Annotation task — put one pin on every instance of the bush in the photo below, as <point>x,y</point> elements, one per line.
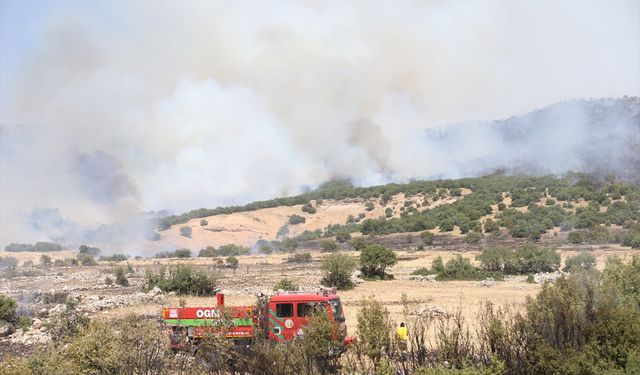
<point>343,236</point>
<point>86,260</point>
<point>181,279</point>
<point>426,238</point>
<point>576,237</point>
<point>374,331</point>
<point>473,238</point>
<point>288,245</point>
<point>121,278</point>
<point>89,250</point>
<point>114,258</point>
<point>204,222</point>
<point>232,250</point>
<point>232,262</point>
<point>446,226</point>
<point>19,247</point>
<point>9,263</point>
<point>300,258</point>
<point>524,260</point>
<point>8,309</point>
<point>296,219</point>
<point>491,226</point>
<point>338,268</point>
<point>185,231</point>
<point>45,261</point>
<point>369,206</point>
<point>437,265</point>
<point>182,253</point>
<point>265,248</point>
<point>583,261</point>
<point>358,244</point>
<point>501,206</point>
<point>374,259</point>
<point>460,268</point>
<point>388,212</point>
<point>108,281</point>
<point>328,246</point>
<point>308,208</point>
<point>285,284</point>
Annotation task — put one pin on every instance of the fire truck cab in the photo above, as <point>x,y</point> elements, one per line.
<point>289,312</point>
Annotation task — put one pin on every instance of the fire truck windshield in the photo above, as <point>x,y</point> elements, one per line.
<point>336,309</point>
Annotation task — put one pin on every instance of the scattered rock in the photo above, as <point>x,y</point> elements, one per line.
<point>551,277</point>
<point>356,277</point>
<point>155,291</point>
<point>487,282</point>
<point>429,311</point>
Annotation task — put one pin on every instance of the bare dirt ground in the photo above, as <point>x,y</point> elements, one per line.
<point>245,228</point>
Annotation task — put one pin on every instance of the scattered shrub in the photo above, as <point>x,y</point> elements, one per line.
<point>181,279</point>
<point>460,268</point>
<point>308,208</point>
<point>232,262</point>
<point>204,222</point>
<point>374,260</point>
<point>426,238</point>
<point>86,260</point>
<point>185,231</point>
<point>369,206</point>
<point>182,253</point>
<point>10,263</point>
<point>285,284</point>
<point>583,261</point>
<point>121,278</point>
<point>296,219</point>
<point>358,243</point>
<point>473,238</point>
<point>8,308</point>
<point>388,212</point>
<point>45,261</point>
<point>114,258</point>
<point>300,258</point>
<point>338,268</point>
<point>343,236</point>
<point>328,246</point>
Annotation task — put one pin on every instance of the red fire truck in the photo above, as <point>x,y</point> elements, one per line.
<point>279,318</point>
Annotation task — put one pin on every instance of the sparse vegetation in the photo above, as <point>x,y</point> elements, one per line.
<point>89,250</point>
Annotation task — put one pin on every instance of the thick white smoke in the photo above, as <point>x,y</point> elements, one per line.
<point>125,107</point>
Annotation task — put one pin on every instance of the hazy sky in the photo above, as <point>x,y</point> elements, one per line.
<point>109,108</point>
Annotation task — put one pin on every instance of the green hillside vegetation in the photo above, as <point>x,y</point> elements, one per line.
<point>579,201</point>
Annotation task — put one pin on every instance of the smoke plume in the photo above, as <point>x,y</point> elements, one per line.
<point>123,107</point>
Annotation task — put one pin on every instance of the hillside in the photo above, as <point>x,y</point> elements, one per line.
<point>603,210</point>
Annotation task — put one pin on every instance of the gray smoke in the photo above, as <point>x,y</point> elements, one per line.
<point>126,107</point>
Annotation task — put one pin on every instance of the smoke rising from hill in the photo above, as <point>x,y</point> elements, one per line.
<point>138,106</point>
